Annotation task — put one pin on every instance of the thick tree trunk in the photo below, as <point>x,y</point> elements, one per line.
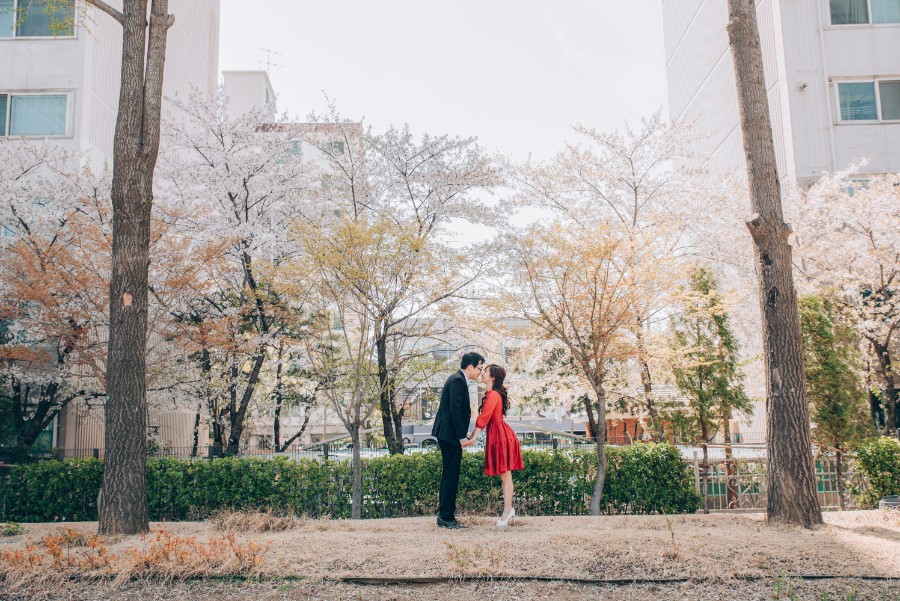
<point>790,474</point>
<point>135,147</point>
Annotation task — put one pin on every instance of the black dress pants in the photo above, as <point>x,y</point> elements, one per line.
<point>451,455</point>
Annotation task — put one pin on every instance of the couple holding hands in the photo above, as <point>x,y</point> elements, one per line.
<point>502,454</point>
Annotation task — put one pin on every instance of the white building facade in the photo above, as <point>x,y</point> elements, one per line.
<point>833,76</point>
<point>64,83</point>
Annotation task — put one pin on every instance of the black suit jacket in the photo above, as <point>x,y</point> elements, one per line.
<point>452,421</point>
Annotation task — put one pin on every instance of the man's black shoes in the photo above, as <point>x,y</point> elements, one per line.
<point>453,524</point>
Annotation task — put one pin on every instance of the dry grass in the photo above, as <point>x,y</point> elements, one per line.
<point>69,554</point>
<point>252,521</point>
<point>715,551</point>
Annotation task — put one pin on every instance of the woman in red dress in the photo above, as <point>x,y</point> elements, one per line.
<point>502,453</point>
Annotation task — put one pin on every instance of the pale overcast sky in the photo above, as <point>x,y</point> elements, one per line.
<point>514,73</point>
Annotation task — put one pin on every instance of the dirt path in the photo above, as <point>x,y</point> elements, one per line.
<point>716,551</point>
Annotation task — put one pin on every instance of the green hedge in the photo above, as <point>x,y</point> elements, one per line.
<point>645,478</point>
<point>878,462</point>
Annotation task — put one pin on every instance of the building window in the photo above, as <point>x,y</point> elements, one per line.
<point>336,147</point>
<point>33,114</point>
<point>858,101</point>
<point>890,100</point>
<point>877,100</point>
<point>36,18</point>
<point>864,12</point>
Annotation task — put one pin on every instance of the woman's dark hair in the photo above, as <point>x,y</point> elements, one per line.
<point>473,359</point>
<point>499,374</point>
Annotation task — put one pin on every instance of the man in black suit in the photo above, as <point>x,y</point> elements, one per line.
<point>450,428</point>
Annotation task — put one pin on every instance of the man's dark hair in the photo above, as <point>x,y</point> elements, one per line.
<point>472,358</point>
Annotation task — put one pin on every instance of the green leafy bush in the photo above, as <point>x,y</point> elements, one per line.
<point>878,462</point>
<point>645,478</point>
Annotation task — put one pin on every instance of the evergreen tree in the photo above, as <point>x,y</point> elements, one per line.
<point>707,372</point>
<point>837,400</point>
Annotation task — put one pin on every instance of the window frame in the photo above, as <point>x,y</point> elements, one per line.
<point>878,113</point>
<point>870,23</point>
<point>6,117</point>
<point>14,36</point>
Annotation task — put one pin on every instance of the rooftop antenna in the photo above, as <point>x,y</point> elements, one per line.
<point>268,60</point>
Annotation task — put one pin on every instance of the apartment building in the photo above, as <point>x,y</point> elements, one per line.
<point>64,83</point>
<point>833,76</point>
<point>59,80</point>
<point>832,72</point>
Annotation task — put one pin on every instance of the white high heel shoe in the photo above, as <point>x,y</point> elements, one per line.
<point>510,518</point>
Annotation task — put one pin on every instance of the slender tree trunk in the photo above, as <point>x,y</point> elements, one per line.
<point>890,392</point>
<point>704,475</point>
<point>593,431</point>
<point>356,491</point>
<point>599,429</point>
<point>238,414</point>
<point>297,435</point>
<point>790,474</point>
<point>839,468</point>
<point>196,446</point>
<point>392,434</point>
<point>647,384</point>
<point>135,147</point>
<point>276,420</point>
<point>730,481</point>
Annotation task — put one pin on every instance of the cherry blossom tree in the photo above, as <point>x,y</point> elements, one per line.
<point>55,243</point>
<point>396,194</point>
<point>240,183</point>
<point>575,284</point>
<point>628,178</point>
<point>848,244</point>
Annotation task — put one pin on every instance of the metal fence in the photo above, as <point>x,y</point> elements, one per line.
<point>749,483</point>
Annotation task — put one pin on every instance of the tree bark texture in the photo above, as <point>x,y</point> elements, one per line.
<point>839,469</point>
<point>731,493</point>
<point>356,490</point>
<point>647,384</point>
<point>889,402</point>
<point>790,473</point>
<point>599,429</point>
<point>393,436</point>
<point>135,148</point>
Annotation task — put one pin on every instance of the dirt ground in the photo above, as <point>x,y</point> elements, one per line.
<point>726,556</point>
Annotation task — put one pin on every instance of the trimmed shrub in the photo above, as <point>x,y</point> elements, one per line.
<point>878,462</point>
<point>645,478</point>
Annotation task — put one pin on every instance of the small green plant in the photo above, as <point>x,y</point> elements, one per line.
<point>10,529</point>
<point>783,586</point>
<point>671,553</point>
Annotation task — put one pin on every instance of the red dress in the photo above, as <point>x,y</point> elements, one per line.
<point>501,451</point>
